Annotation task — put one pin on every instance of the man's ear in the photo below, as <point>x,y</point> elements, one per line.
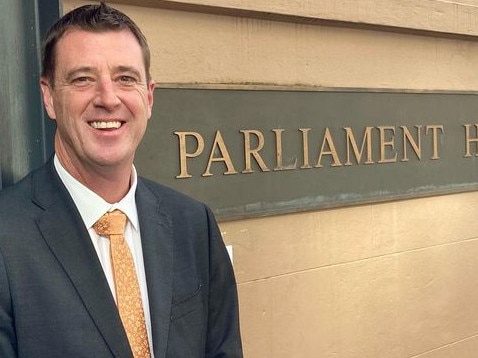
<point>151,87</point>
<point>47,97</point>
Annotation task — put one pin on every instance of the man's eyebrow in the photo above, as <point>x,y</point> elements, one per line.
<point>88,69</point>
<point>73,72</point>
<point>129,69</point>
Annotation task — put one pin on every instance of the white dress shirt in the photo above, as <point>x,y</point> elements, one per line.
<point>92,207</point>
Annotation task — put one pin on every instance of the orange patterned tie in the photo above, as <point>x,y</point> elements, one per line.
<point>128,296</point>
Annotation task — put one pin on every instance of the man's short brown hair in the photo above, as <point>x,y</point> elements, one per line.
<point>93,18</point>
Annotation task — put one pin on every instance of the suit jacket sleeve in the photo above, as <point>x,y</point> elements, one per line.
<point>223,322</point>
<point>7,331</point>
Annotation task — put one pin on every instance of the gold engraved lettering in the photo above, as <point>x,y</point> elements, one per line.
<point>435,133</point>
<point>305,148</point>
<point>469,140</point>
<point>408,138</point>
<point>328,141</point>
<point>184,154</point>
<point>384,143</point>
<point>253,152</point>
<point>219,147</point>
<point>366,144</point>
<point>279,154</point>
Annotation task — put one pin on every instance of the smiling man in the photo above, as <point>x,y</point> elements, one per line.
<point>94,260</point>
<point>101,100</point>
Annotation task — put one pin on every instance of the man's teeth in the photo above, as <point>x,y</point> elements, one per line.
<point>105,125</point>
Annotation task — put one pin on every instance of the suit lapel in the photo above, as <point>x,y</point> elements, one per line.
<point>68,239</point>
<point>157,242</point>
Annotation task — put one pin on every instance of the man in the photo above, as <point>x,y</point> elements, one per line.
<point>61,294</point>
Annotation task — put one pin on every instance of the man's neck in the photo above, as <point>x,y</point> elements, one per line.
<point>111,183</point>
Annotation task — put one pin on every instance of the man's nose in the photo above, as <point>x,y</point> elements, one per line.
<point>106,94</point>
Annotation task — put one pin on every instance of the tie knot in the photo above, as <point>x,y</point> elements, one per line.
<point>112,223</point>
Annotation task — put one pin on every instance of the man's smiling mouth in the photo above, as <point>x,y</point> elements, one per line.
<point>105,125</point>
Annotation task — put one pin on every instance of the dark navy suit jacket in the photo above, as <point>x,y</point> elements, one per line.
<point>54,297</point>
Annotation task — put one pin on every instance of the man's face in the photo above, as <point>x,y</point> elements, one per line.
<point>100,99</point>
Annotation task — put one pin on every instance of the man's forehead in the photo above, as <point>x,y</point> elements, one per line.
<point>78,47</point>
<point>76,34</point>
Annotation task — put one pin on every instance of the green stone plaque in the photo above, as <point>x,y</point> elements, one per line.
<point>259,152</point>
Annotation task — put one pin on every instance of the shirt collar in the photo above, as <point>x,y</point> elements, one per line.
<point>92,206</point>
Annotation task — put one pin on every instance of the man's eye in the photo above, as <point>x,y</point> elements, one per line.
<point>82,81</point>
<point>127,80</point>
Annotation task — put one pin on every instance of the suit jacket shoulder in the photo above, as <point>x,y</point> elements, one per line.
<point>49,272</point>
<point>171,197</point>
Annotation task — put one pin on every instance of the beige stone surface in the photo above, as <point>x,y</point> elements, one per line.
<point>279,245</point>
<point>457,17</point>
<point>229,50</point>
<point>461,349</point>
<point>397,305</point>
<point>192,48</point>
<point>387,280</point>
